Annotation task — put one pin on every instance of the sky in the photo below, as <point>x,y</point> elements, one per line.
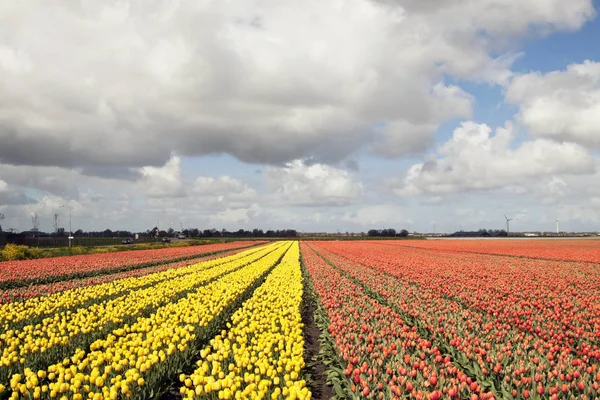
<point>317,116</point>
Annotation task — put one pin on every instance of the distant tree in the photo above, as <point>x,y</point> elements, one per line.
<point>403,233</point>
<point>170,231</point>
<point>257,233</point>
<point>373,232</point>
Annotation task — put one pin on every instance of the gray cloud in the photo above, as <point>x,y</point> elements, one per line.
<point>108,86</point>
<point>14,198</point>
<point>58,181</point>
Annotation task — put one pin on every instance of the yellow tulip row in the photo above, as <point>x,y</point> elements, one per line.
<point>261,355</point>
<point>14,312</point>
<point>132,360</point>
<point>60,329</point>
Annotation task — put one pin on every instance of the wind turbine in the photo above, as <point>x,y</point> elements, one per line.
<point>507,224</point>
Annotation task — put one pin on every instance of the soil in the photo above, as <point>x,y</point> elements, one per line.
<point>317,370</point>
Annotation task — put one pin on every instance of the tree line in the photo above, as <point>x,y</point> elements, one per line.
<point>387,232</point>
<point>209,233</point>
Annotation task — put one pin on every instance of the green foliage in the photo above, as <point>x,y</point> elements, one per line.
<point>14,252</point>
<point>20,252</point>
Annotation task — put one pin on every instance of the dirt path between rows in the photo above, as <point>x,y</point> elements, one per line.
<point>317,370</point>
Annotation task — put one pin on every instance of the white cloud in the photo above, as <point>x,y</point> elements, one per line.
<point>236,215</point>
<point>3,186</point>
<point>560,105</point>
<point>162,181</point>
<point>196,78</point>
<point>474,159</point>
<point>299,183</point>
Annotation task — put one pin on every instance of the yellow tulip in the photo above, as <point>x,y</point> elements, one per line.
<point>254,347</point>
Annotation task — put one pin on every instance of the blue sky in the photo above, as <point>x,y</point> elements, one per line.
<point>322,118</point>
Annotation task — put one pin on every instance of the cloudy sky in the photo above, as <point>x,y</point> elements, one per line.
<point>313,115</point>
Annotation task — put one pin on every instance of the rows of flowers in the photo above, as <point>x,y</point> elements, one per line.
<point>261,354</point>
<point>14,314</point>
<point>58,335</point>
<point>136,360</point>
<point>566,250</point>
<point>22,294</point>
<point>26,272</point>
<point>385,357</point>
<point>467,322</point>
<point>556,300</point>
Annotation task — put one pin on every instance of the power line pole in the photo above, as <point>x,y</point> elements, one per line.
<point>35,223</point>
<point>56,223</point>
<point>70,225</point>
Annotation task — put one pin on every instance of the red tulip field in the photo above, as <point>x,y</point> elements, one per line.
<point>461,319</point>
<point>376,319</point>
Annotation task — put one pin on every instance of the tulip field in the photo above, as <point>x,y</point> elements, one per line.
<point>310,319</point>
<point>47,270</point>
<point>429,320</point>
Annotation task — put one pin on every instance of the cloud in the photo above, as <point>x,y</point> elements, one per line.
<point>10,196</point>
<point>300,184</point>
<point>101,102</point>
<point>223,189</point>
<point>166,182</point>
<point>475,160</point>
<point>560,105</point>
<point>498,17</point>
<point>376,215</point>
<point>236,216</point>
<point>111,87</point>
<point>54,180</point>
<point>162,181</point>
